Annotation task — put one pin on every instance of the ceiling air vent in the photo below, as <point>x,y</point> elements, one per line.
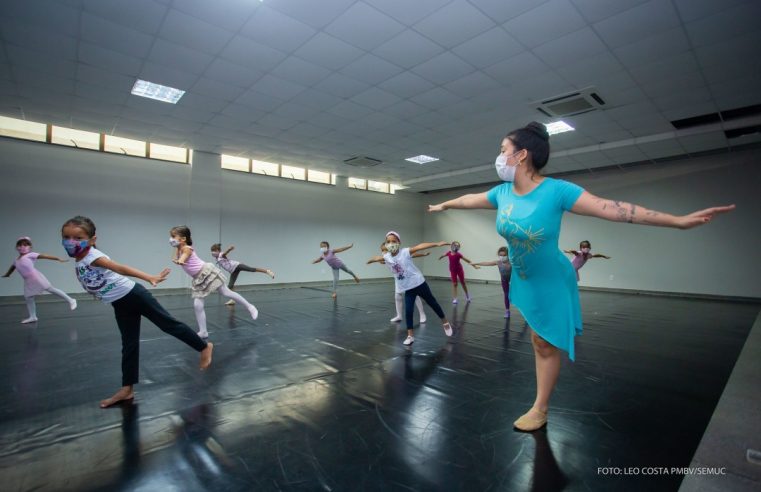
<point>571,104</point>
<point>362,161</point>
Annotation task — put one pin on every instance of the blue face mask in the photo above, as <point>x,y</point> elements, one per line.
<point>75,247</point>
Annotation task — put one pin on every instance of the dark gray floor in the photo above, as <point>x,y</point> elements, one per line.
<point>318,395</point>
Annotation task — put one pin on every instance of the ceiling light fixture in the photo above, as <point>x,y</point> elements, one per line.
<point>159,92</point>
<point>558,127</point>
<point>422,159</point>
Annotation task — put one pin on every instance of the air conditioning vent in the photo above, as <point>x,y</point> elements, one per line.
<point>362,161</point>
<point>571,104</point>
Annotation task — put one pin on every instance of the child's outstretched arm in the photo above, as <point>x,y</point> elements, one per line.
<point>485,263</point>
<point>571,252</point>
<point>375,259</point>
<point>51,257</point>
<point>423,246</point>
<point>10,270</point>
<point>420,255</point>
<point>227,251</point>
<point>127,270</point>
<point>471,263</point>
<point>443,256</point>
<point>342,249</point>
<point>600,256</point>
<point>317,260</point>
<point>183,256</point>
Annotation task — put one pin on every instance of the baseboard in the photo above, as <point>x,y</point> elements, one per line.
<point>685,295</point>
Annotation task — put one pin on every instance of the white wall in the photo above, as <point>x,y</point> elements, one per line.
<point>721,258</point>
<point>134,202</point>
<point>278,223</point>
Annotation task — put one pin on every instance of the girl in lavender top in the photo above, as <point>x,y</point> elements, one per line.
<point>580,257</point>
<point>233,267</point>
<point>329,255</point>
<point>207,278</point>
<point>35,282</point>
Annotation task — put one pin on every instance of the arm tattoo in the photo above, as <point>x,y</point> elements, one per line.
<point>633,213</point>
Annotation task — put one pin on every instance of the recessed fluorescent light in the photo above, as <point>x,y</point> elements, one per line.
<point>158,92</point>
<point>558,127</point>
<point>422,159</point>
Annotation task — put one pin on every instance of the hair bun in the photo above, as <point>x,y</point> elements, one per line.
<point>539,130</point>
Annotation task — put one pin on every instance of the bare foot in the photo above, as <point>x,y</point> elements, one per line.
<point>334,295</point>
<point>230,303</point>
<point>356,279</point>
<point>124,394</point>
<point>206,356</point>
<point>28,320</point>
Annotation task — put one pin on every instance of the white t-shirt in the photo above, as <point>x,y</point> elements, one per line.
<point>102,283</point>
<point>406,274</point>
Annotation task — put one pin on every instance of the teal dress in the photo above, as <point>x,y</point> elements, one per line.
<point>543,282</point>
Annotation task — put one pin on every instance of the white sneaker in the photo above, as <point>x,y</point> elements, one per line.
<point>408,340</point>
<point>396,319</point>
<point>454,301</point>
<point>73,304</point>
<point>230,303</point>
<point>423,319</point>
<point>448,329</point>
<point>30,319</point>
<point>254,312</point>
<point>203,334</point>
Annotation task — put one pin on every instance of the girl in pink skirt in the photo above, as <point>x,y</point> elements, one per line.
<point>35,282</point>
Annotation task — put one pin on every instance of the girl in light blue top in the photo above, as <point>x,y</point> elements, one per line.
<point>543,282</point>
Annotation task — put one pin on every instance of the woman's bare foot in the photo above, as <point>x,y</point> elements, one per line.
<point>206,356</point>
<point>124,394</point>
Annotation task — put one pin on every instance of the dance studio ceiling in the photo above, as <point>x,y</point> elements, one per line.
<point>315,82</point>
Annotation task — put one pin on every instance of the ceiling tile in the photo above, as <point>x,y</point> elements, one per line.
<point>454,23</point>
<point>249,53</point>
<point>231,17</point>
<point>443,68</point>
<point>567,49</point>
<point>277,87</point>
<point>545,23</point>
<point>305,11</point>
<point>637,23</point>
<point>299,71</point>
<point>408,49</point>
<point>488,48</point>
<point>179,57</point>
<point>371,69</point>
<point>329,52</point>
<point>276,30</point>
<point>113,36</point>
<point>407,12</point>
<point>595,11</point>
<point>364,27</point>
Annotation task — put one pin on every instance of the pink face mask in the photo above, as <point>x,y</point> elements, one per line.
<point>585,250</point>
<point>23,249</point>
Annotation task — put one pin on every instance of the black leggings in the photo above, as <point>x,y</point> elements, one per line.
<point>238,269</point>
<point>128,311</point>
<point>425,293</point>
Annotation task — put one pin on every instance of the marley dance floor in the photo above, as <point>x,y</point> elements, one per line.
<point>321,395</point>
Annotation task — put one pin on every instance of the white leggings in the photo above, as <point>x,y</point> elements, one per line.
<point>31,306</point>
<point>198,306</point>
<point>399,299</point>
